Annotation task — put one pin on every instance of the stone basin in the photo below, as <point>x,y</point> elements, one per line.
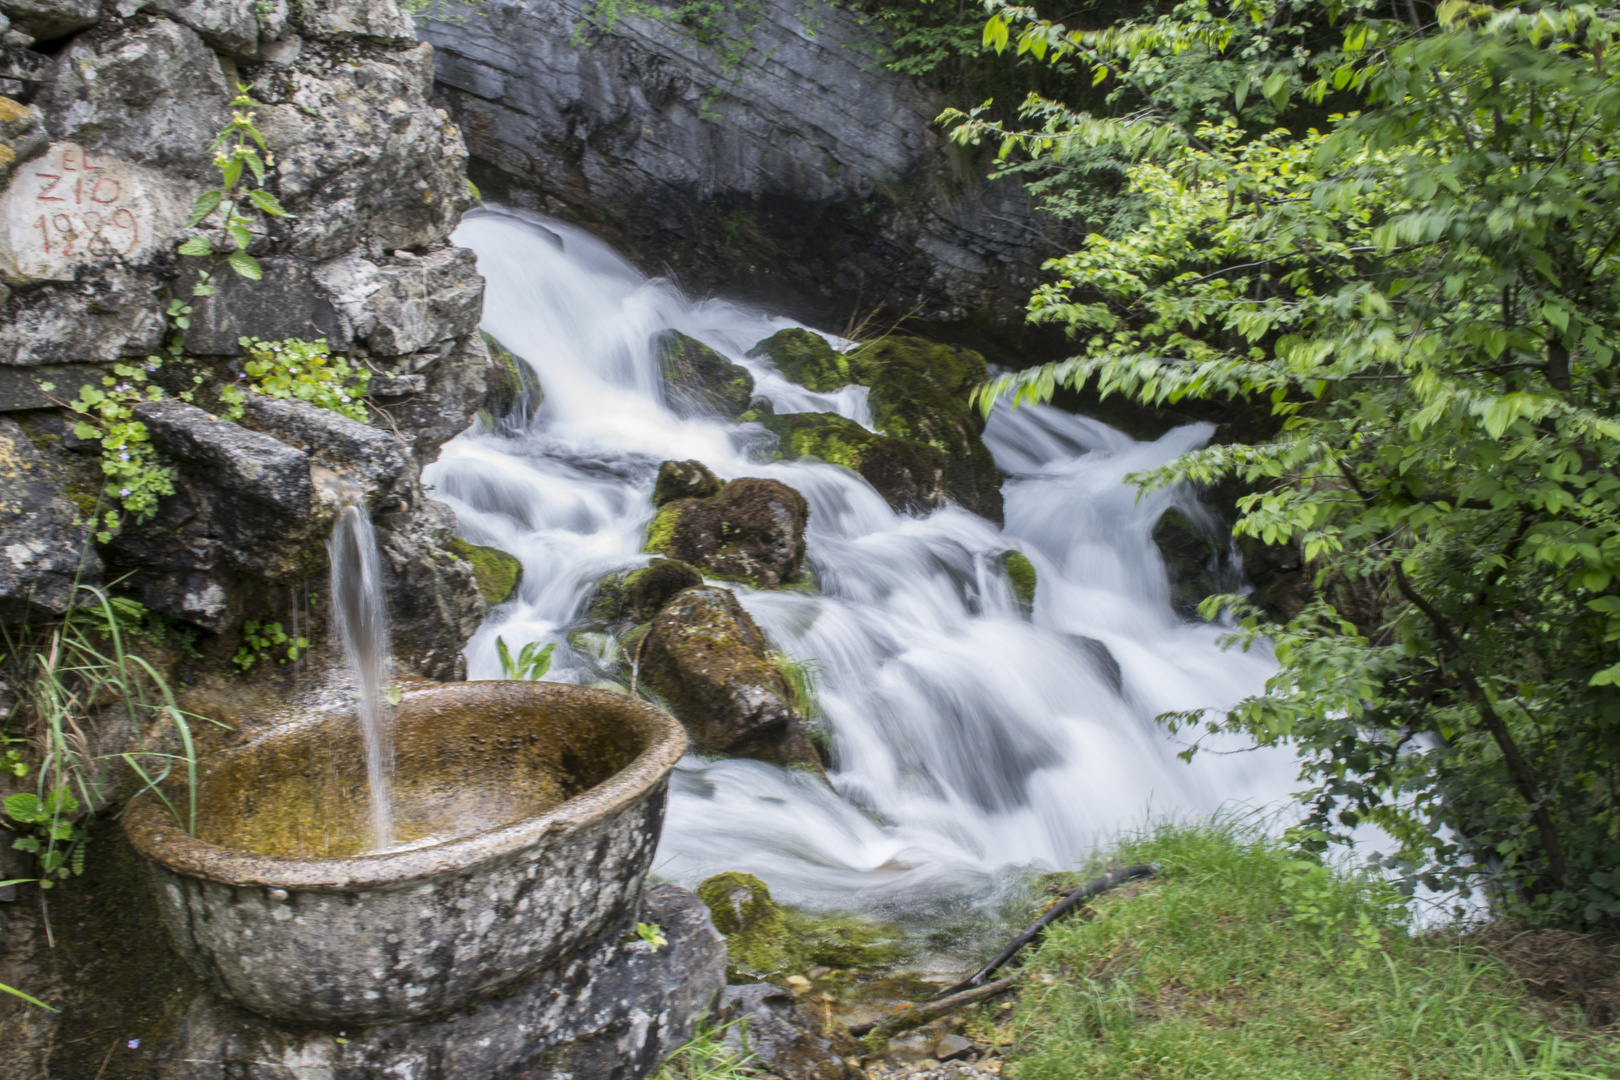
<point>528,814</point>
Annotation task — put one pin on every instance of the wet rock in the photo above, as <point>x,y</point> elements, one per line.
<point>613,1011</point>
<point>707,658</point>
<point>807,359</point>
<point>1281,583</point>
<point>909,475</point>
<point>151,95</point>
<point>410,305</point>
<point>1193,557</point>
<point>375,461</point>
<point>790,1043</point>
<point>286,303</point>
<point>346,20</point>
<point>231,26</point>
<point>700,381</point>
<point>752,531</point>
<point>434,604</point>
<point>51,19</point>
<point>953,1048</point>
<point>684,480</point>
<point>1100,658</point>
<point>22,134</point>
<point>1021,575</point>
<point>638,595</point>
<point>106,316</point>
<point>370,172</point>
<point>498,573</point>
<point>42,549</point>
<point>445,388</point>
<point>755,932</point>
<point>920,391</point>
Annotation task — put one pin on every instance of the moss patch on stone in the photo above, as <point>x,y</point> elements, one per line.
<point>909,475</point>
<point>766,941</point>
<point>808,360</point>
<point>684,480</point>
<point>752,531</point>
<point>700,380</point>
<point>1021,573</point>
<point>498,573</point>
<point>638,595</point>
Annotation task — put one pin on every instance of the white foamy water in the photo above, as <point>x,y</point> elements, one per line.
<point>971,740</point>
<point>360,615</point>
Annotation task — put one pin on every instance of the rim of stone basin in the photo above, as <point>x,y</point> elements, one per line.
<point>156,835</point>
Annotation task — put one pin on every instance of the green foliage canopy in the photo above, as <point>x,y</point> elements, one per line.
<point>1423,285</point>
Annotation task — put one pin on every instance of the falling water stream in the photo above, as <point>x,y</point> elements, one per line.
<point>972,739</point>
<point>360,615</point>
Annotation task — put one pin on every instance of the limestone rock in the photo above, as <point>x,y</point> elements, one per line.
<point>638,595</point>
<point>375,461</point>
<point>498,573</point>
<point>707,658</point>
<point>909,475</point>
<point>438,400</point>
<point>752,531</point>
<point>42,549</point>
<point>791,1044</point>
<point>700,381</point>
<point>22,134</point>
<point>151,95</point>
<point>51,19</point>
<point>346,20</point>
<point>755,932</point>
<point>684,480</point>
<point>434,604</point>
<point>231,26</point>
<point>105,316</point>
<point>408,306</point>
<point>286,303</point>
<point>375,171</point>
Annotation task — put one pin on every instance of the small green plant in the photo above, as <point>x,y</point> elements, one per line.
<point>241,201</point>
<point>800,677</point>
<point>709,1055</point>
<point>532,662</point>
<point>13,763</point>
<point>302,370</point>
<point>26,997</point>
<point>48,832</point>
<point>264,641</point>
<point>652,934</point>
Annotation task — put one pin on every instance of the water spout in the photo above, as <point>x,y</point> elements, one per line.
<point>360,617</point>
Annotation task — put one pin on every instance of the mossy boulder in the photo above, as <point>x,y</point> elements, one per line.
<point>498,574</point>
<point>638,595</point>
<point>700,381</point>
<point>1021,575</point>
<point>920,391</point>
<point>808,360</point>
<point>1193,554</point>
<point>707,658</point>
<point>909,475</point>
<point>684,480</point>
<point>752,924</point>
<point>751,531</point>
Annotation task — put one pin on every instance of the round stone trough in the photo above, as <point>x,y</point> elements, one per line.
<point>526,816</point>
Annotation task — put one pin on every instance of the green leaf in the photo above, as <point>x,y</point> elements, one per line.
<point>197,245</point>
<point>31,1000</point>
<point>205,205</point>
<point>25,807</point>
<point>245,265</point>
<point>266,202</point>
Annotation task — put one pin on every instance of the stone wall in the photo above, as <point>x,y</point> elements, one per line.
<point>808,176</point>
<point>105,141</point>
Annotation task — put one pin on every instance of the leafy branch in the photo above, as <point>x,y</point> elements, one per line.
<point>241,200</point>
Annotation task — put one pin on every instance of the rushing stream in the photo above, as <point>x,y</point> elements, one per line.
<point>971,739</point>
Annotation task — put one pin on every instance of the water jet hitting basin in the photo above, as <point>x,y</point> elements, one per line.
<point>527,814</point>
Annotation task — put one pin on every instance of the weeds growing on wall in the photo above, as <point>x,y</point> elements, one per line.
<point>238,207</point>
<point>303,371</point>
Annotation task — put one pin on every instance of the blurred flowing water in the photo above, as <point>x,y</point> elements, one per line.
<point>360,615</point>
<point>972,740</point>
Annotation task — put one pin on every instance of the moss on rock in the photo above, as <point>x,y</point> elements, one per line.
<point>751,923</point>
<point>498,574</point>
<point>702,382</point>
<point>638,595</point>
<point>909,475</point>
<point>807,359</point>
<point>1021,573</point>
<point>752,531</point>
<point>1191,556</point>
<point>684,480</point>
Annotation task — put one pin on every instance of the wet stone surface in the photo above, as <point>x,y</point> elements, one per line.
<point>611,1012</point>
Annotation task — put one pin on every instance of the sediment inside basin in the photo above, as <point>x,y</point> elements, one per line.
<point>486,760</point>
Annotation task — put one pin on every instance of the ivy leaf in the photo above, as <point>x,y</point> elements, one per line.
<point>245,265</point>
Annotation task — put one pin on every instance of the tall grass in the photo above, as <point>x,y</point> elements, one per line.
<point>1246,961</point>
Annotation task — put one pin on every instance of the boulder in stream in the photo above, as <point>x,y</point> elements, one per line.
<point>751,531</point>
<point>706,656</point>
<point>909,475</point>
<point>700,381</point>
<point>752,924</point>
<point>684,480</point>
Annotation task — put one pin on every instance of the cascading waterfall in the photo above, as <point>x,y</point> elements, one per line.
<point>360,616</point>
<point>971,738</point>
